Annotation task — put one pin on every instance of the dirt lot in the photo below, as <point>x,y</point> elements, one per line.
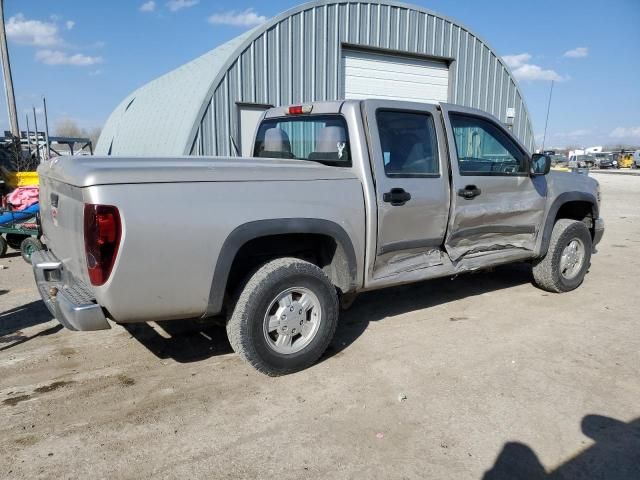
<point>500,379</point>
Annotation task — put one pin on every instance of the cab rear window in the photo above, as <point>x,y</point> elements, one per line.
<point>319,138</point>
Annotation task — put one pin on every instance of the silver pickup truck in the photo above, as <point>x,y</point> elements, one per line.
<point>339,198</point>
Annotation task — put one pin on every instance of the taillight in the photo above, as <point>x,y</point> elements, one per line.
<point>102,231</point>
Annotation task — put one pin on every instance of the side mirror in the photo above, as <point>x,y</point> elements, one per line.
<point>540,164</point>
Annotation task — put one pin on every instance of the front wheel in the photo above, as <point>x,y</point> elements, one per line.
<point>284,318</point>
<point>568,258</point>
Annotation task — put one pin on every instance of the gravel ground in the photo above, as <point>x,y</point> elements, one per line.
<point>483,375</point>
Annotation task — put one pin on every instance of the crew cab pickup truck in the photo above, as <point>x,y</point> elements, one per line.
<point>339,198</point>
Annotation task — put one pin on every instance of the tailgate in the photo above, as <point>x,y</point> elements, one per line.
<point>61,215</point>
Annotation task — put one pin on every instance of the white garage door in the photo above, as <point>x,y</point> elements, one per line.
<point>376,75</point>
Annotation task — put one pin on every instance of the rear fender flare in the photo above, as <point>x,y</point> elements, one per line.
<point>262,228</point>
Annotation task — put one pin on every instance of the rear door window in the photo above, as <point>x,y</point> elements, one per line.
<point>320,138</point>
<point>408,142</point>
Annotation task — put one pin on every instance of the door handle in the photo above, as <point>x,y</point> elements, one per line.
<point>396,197</point>
<point>469,192</point>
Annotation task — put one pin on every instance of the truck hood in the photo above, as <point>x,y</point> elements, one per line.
<point>87,171</point>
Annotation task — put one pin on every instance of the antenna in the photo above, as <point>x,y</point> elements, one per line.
<point>35,125</point>
<point>546,123</point>
<point>46,126</point>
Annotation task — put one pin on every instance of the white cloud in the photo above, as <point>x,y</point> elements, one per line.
<point>514,61</point>
<point>626,132</point>
<point>149,6</point>
<point>175,5</point>
<point>56,57</point>
<point>32,32</point>
<point>579,52</point>
<point>69,24</point>
<point>29,111</point>
<point>523,70</point>
<point>247,18</point>
<point>581,132</point>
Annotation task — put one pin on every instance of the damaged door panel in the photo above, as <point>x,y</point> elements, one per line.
<point>411,188</point>
<point>495,203</point>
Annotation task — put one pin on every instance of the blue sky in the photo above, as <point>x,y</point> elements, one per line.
<point>86,56</point>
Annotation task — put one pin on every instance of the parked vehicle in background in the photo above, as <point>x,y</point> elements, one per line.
<point>340,197</point>
<point>581,161</point>
<point>559,161</point>
<point>636,159</point>
<point>625,159</point>
<point>605,160</point>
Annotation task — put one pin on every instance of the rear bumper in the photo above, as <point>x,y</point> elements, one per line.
<point>68,300</point>
<point>598,232</point>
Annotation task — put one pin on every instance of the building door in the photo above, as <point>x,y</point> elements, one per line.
<point>249,115</point>
<point>394,77</point>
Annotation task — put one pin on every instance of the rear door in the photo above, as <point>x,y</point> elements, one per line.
<point>410,171</point>
<point>495,203</point>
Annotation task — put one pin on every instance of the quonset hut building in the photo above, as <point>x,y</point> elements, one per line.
<point>323,50</point>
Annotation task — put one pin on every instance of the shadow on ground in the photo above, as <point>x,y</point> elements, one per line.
<point>614,456</point>
<point>380,304</point>
<point>24,316</point>
<point>13,321</point>
<point>194,340</point>
<point>182,340</point>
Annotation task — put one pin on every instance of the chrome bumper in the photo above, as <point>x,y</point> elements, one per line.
<point>68,300</point>
<point>598,232</point>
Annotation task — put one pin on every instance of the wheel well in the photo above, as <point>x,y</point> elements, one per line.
<point>321,250</point>
<point>577,210</point>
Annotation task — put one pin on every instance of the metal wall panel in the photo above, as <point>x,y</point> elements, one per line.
<point>298,58</point>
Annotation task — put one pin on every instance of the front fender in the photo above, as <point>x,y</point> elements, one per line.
<point>549,222</point>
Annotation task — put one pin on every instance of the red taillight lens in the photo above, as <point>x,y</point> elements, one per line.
<point>102,231</point>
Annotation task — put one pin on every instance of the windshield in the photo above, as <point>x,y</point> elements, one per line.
<point>320,138</point>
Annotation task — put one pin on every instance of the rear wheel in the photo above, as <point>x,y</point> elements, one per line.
<point>566,263</point>
<point>3,246</point>
<point>28,246</point>
<point>284,317</point>
<point>14,240</point>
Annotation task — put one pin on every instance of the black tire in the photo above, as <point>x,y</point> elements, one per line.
<point>28,246</point>
<point>547,272</point>
<point>3,246</point>
<point>245,326</point>
<point>15,240</point>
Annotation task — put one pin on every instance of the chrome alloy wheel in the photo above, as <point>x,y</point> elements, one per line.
<point>292,320</point>
<point>572,259</point>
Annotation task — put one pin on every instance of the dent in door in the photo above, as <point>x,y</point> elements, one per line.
<point>512,221</point>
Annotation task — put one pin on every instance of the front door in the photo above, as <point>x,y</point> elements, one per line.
<point>411,178</point>
<point>496,204</point>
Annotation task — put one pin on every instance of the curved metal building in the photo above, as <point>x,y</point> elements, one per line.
<point>323,50</point>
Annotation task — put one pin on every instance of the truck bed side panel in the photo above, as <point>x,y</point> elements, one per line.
<point>173,233</point>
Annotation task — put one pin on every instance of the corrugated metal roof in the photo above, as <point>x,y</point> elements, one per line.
<point>157,118</point>
<point>296,57</point>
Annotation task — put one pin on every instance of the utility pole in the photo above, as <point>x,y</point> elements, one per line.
<point>8,81</point>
